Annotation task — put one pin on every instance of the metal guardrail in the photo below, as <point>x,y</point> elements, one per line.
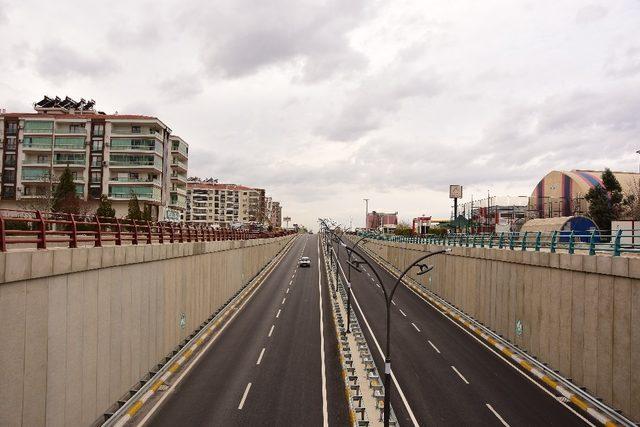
<point>22,227</point>
<point>616,243</point>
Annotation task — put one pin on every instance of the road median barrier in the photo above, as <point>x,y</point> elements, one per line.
<point>363,388</point>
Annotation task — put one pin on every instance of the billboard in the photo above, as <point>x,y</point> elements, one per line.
<point>455,191</point>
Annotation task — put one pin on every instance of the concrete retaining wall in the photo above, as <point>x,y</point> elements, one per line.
<point>79,327</point>
<point>577,311</point>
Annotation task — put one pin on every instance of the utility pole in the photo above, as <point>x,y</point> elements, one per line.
<point>366,212</point>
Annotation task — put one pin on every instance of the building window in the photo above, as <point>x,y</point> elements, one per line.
<point>76,128</point>
<point>9,176</point>
<point>98,130</point>
<point>135,129</point>
<point>10,144</point>
<point>43,159</point>
<point>8,191</point>
<point>96,161</point>
<point>96,145</point>
<point>10,160</point>
<point>12,128</point>
<point>96,176</point>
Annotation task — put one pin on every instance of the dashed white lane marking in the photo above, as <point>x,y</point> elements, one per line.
<point>283,300</point>
<point>260,357</point>
<point>393,302</point>
<point>290,282</point>
<point>293,276</point>
<point>287,290</point>
<point>504,423</point>
<point>278,314</point>
<point>414,325</point>
<point>434,346</point>
<point>244,396</point>
<point>271,330</point>
<point>459,374</point>
<point>378,284</point>
<point>402,312</point>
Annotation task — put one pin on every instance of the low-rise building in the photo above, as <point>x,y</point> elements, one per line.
<point>224,205</point>
<point>108,154</point>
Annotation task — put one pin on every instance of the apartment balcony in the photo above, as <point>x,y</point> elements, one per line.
<point>73,161</point>
<point>179,165</point>
<point>148,162</point>
<point>178,201</point>
<point>69,144</point>
<point>128,180</point>
<point>180,150</point>
<point>37,143</point>
<point>36,175</point>
<point>179,177</point>
<point>128,132</point>
<point>143,193</point>
<point>135,144</point>
<point>38,127</point>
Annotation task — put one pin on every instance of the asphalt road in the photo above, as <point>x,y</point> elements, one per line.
<point>266,366</point>
<point>446,376</point>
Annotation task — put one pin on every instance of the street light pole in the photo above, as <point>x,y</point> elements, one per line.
<point>388,298</point>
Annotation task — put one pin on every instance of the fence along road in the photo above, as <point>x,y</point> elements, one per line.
<point>449,378</point>
<point>265,368</point>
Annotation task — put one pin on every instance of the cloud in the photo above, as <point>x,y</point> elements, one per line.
<point>590,13</point>
<point>367,106</point>
<point>58,62</point>
<point>243,37</point>
<point>136,34</point>
<point>625,63</point>
<point>181,87</point>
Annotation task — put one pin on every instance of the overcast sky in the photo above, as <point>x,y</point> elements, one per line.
<point>324,103</point>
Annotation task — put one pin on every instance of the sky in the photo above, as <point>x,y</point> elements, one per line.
<point>325,103</point>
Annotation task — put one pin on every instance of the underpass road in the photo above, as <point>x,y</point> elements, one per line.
<point>266,366</point>
<point>448,377</point>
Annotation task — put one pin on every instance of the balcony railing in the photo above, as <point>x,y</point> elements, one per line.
<point>129,145</point>
<point>76,161</point>
<point>21,228</point>
<point>135,162</point>
<point>178,163</point>
<point>138,180</point>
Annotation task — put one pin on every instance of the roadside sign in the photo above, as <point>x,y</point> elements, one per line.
<point>518,327</point>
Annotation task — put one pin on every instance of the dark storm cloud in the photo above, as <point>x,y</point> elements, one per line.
<point>57,62</point>
<point>244,36</point>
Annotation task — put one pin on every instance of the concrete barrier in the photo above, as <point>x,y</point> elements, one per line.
<point>79,327</point>
<point>577,312</point>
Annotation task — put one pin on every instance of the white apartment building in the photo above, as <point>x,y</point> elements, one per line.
<point>224,205</point>
<point>115,155</point>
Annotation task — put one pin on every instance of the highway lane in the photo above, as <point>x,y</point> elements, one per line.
<point>449,378</point>
<point>266,367</point>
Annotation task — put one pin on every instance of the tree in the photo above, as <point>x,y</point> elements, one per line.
<point>632,202</point>
<point>134,208</point>
<point>403,229</point>
<point>146,213</point>
<point>64,196</point>
<point>605,201</point>
<point>105,209</point>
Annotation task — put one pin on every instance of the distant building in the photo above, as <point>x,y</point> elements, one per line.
<point>276,215</point>
<point>179,167</point>
<point>380,220</point>
<point>224,205</point>
<point>421,225</point>
<point>562,193</point>
<point>111,154</point>
<point>492,214</point>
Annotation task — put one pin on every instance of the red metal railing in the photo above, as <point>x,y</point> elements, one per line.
<point>21,228</point>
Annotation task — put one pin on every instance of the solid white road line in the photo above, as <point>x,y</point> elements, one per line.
<point>325,412</point>
<point>504,423</point>
<point>434,347</point>
<point>271,330</point>
<point>244,396</point>
<point>278,314</point>
<point>260,357</point>
<point>414,325</point>
<point>459,374</point>
<point>402,312</point>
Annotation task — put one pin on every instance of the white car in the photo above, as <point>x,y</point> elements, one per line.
<point>304,261</point>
